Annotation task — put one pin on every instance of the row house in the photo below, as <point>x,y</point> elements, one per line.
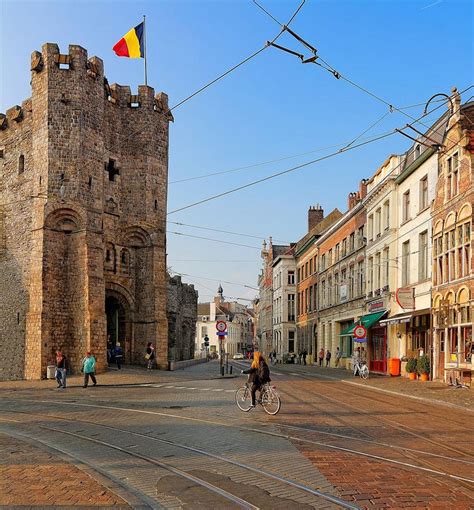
<point>453,271</point>
<point>382,210</point>
<point>341,278</point>
<point>307,280</point>
<point>284,302</point>
<point>264,340</point>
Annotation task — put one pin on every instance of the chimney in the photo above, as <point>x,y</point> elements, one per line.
<point>363,189</point>
<point>315,216</point>
<point>352,200</point>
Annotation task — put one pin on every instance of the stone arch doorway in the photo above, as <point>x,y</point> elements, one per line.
<point>119,322</point>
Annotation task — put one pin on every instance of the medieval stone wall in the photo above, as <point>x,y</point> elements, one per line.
<point>82,217</point>
<point>182,314</point>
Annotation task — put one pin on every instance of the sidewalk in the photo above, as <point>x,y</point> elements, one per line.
<point>434,392</point>
<point>31,476</point>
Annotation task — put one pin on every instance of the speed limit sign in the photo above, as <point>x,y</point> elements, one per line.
<point>221,326</point>
<point>360,332</point>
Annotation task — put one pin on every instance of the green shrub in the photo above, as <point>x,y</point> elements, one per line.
<point>411,365</point>
<point>423,365</point>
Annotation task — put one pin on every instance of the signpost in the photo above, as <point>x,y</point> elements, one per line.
<point>221,327</point>
<point>360,333</point>
<point>406,298</point>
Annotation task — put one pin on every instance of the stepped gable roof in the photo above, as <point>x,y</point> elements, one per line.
<point>204,308</point>
<point>467,119</point>
<point>320,228</point>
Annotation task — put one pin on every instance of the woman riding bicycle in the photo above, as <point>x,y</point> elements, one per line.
<point>259,374</point>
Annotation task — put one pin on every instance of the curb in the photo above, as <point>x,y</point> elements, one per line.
<point>414,397</point>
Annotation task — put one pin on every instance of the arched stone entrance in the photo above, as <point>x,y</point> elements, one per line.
<point>119,322</point>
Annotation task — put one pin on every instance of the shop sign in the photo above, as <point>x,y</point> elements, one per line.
<point>405,297</point>
<point>376,306</point>
<point>343,292</point>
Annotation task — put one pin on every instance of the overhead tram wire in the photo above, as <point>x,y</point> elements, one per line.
<point>334,72</point>
<point>319,149</point>
<point>215,240</point>
<point>308,163</point>
<point>215,280</point>
<point>225,231</point>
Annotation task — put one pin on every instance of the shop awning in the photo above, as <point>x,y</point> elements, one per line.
<point>400,318</point>
<point>371,318</point>
<point>347,331</point>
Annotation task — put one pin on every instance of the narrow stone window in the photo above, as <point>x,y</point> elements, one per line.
<point>2,152</point>
<point>107,256</point>
<point>156,205</point>
<point>21,164</point>
<point>90,182</point>
<point>18,317</point>
<point>112,170</point>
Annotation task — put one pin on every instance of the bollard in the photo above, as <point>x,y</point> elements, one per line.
<point>222,370</point>
<point>231,369</point>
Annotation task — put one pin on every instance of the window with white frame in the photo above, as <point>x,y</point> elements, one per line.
<point>386,262</point>
<point>360,278</point>
<point>452,176</point>
<point>386,215</point>
<point>291,307</point>
<point>405,263</point>
<point>378,222</point>
<point>330,291</point>
<point>291,278</point>
<point>423,255</point>
<point>463,242</point>
<point>351,281</point>
<point>438,259</point>
<point>423,193</point>
<point>406,206</point>
<point>377,271</point>
<point>371,227</point>
<point>370,274</point>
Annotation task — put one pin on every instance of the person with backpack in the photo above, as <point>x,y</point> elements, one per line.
<point>259,374</point>
<point>88,367</point>
<point>328,358</point>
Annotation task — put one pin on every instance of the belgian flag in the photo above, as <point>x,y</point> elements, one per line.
<point>132,44</point>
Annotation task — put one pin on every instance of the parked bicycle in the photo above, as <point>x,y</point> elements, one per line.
<point>268,399</point>
<point>362,369</point>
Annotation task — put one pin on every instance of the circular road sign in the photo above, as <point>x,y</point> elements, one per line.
<point>221,326</point>
<point>360,332</point>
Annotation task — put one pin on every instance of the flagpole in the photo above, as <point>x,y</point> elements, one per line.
<point>144,48</point>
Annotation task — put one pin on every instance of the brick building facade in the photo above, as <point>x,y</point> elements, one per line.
<point>83,186</point>
<point>453,263</point>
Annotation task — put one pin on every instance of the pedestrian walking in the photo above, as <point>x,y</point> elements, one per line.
<point>88,368</point>
<point>321,357</point>
<point>338,357</point>
<point>150,355</point>
<point>300,357</point>
<point>118,353</point>
<point>305,353</point>
<point>61,369</point>
<point>328,358</point>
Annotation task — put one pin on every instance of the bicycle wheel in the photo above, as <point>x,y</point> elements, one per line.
<point>271,401</point>
<point>243,399</point>
<point>364,372</point>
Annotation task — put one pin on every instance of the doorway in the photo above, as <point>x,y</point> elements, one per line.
<point>116,321</point>
<point>378,355</point>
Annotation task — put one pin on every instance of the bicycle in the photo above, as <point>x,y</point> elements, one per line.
<point>269,399</point>
<point>363,369</point>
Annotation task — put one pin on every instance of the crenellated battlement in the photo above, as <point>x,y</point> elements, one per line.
<point>75,64</point>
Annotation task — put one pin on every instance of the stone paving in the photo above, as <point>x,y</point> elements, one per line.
<point>196,407</point>
<point>32,476</point>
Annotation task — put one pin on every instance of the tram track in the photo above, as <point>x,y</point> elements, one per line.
<point>431,470</point>
<point>339,502</point>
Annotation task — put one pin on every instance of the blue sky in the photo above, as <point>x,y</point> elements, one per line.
<point>272,107</point>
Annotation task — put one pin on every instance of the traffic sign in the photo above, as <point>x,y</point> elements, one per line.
<point>360,332</point>
<point>221,326</point>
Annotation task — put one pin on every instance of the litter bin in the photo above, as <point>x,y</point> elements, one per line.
<point>50,371</point>
<point>394,366</point>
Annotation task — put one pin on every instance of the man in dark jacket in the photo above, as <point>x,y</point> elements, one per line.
<point>259,374</point>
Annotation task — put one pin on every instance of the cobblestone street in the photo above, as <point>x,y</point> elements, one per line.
<point>177,440</point>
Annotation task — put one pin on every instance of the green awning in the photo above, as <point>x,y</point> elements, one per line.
<point>347,331</point>
<point>370,319</point>
<point>367,321</point>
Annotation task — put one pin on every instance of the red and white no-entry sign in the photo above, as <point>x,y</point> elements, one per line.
<point>221,326</point>
<point>360,332</point>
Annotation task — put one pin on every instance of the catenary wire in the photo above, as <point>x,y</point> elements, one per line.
<point>215,280</point>
<point>215,240</point>
<point>224,231</point>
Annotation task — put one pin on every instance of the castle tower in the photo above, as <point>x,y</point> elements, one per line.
<point>83,188</point>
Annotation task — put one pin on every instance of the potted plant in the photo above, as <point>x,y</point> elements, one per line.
<point>411,368</point>
<point>423,367</point>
